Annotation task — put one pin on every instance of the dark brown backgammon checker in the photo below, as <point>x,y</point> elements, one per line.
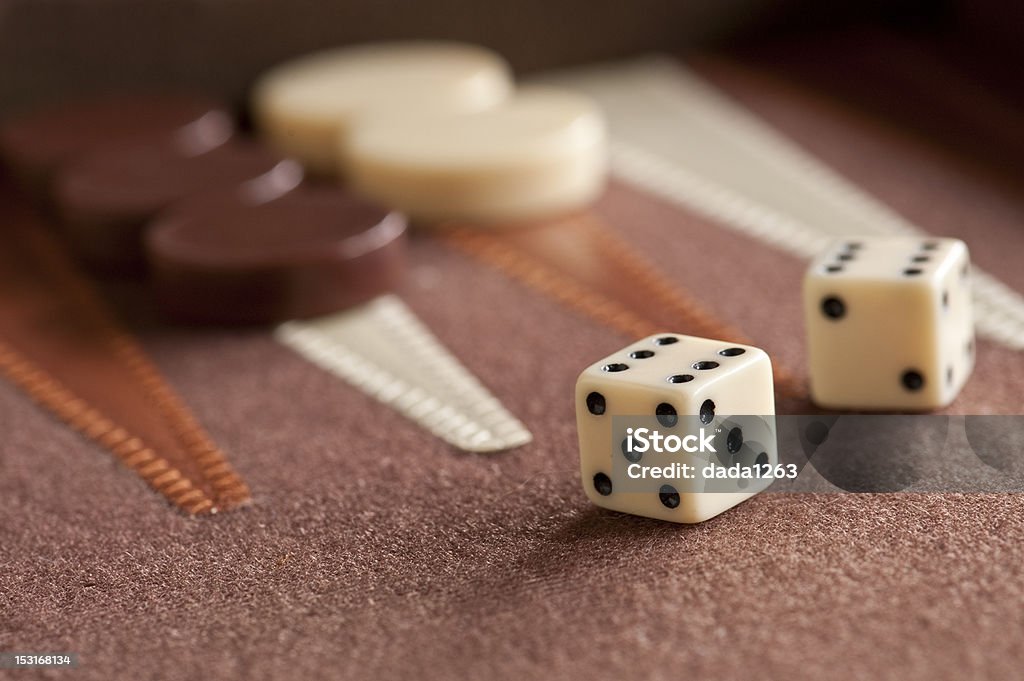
<point>105,198</point>
<point>240,257</point>
<point>34,144</point>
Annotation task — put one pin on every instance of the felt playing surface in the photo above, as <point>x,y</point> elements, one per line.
<point>373,550</point>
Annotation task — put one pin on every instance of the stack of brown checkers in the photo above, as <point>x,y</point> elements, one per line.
<point>34,145</point>
<point>105,198</point>
<point>228,258</point>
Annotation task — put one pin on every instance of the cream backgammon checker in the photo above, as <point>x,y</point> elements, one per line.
<point>889,323</point>
<point>305,106</point>
<point>681,386</point>
<point>541,152</point>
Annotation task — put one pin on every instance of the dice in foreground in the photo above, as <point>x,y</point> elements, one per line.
<point>683,386</point>
<point>889,323</point>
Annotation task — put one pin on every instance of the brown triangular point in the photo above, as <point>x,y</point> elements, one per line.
<point>63,347</point>
<point>581,262</point>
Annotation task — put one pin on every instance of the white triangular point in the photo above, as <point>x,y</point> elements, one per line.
<point>382,349</point>
<point>676,136</point>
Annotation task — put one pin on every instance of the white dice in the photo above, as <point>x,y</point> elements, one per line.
<point>683,386</point>
<point>889,323</point>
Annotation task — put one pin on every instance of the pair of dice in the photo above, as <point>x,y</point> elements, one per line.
<point>889,327</point>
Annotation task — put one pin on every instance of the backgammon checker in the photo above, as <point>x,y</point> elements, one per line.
<point>33,145</point>
<point>239,257</point>
<point>105,198</point>
<point>304,107</point>
<point>541,153</point>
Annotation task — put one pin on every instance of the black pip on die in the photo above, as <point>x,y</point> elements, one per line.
<point>703,392</point>
<point>889,323</point>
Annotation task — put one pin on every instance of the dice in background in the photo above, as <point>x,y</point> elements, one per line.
<point>680,383</point>
<point>889,323</point>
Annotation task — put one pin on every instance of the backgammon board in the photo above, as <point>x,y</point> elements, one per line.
<point>370,546</point>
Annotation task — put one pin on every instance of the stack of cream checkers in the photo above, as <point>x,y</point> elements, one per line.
<point>436,130</point>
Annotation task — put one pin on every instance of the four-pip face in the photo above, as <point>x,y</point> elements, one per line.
<point>680,383</point>
<point>889,323</point>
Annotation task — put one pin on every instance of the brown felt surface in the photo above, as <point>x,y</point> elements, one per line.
<point>375,551</point>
